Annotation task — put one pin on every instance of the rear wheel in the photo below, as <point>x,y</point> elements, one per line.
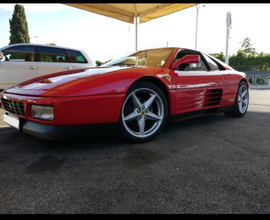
<point>241,101</point>
<point>144,112</point>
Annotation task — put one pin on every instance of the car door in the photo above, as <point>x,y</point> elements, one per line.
<point>199,85</point>
<point>52,59</point>
<point>17,65</point>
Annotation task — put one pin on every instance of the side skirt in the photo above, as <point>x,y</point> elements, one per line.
<point>200,113</point>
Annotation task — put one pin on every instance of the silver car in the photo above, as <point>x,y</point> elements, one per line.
<point>20,62</point>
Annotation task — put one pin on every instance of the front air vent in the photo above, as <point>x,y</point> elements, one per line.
<point>198,99</point>
<point>14,107</point>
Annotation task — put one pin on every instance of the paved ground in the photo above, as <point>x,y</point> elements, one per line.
<point>213,164</point>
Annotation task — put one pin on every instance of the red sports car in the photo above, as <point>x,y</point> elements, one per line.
<point>134,96</point>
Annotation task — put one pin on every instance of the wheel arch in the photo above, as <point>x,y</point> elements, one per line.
<point>159,84</point>
<point>244,80</point>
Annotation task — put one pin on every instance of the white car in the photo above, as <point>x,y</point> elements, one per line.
<point>20,62</point>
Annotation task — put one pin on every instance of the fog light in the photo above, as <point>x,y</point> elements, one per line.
<point>42,112</point>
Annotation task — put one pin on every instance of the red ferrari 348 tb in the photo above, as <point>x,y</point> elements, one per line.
<point>135,96</point>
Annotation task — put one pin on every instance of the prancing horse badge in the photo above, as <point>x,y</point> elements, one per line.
<point>168,77</point>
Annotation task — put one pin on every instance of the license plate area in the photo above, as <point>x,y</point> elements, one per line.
<point>12,120</point>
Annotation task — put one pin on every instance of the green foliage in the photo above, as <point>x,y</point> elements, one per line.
<point>18,26</point>
<point>246,58</point>
<point>219,56</point>
<point>260,81</point>
<point>246,46</point>
<point>98,63</point>
<point>250,61</point>
<point>107,61</point>
<point>52,43</point>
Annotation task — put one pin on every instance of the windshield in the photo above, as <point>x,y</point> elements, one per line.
<point>149,58</point>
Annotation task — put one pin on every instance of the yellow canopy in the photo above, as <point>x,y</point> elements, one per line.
<point>130,12</point>
<point>127,12</point>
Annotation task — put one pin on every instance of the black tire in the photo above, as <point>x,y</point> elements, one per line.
<point>241,101</point>
<point>144,112</point>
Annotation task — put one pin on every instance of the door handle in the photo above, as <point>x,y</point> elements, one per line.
<point>67,68</point>
<point>31,67</point>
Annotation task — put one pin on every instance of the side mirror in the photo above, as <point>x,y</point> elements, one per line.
<point>186,59</point>
<point>1,55</point>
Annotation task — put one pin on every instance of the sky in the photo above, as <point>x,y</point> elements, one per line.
<point>104,38</point>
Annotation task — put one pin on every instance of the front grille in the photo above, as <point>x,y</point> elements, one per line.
<point>14,107</point>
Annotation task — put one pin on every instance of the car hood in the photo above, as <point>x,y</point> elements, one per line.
<point>67,83</point>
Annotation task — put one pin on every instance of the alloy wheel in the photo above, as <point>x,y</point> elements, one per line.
<point>143,112</point>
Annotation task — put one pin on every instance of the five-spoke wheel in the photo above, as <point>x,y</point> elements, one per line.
<point>241,103</point>
<point>243,98</point>
<point>144,112</point>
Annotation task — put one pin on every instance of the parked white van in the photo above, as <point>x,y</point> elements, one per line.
<point>20,62</point>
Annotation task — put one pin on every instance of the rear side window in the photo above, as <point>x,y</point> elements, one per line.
<point>50,54</point>
<point>19,54</point>
<point>211,63</point>
<point>77,56</point>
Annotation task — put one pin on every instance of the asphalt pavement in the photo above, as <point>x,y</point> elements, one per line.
<point>209,165</point>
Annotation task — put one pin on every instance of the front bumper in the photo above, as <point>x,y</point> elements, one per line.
<point>60,132</point>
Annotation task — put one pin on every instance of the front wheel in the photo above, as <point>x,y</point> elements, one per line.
<point>144,112</point>
<point>241,101</point>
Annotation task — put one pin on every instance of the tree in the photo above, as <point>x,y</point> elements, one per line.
<point>98,63</point>
<point>247,46</point>
<point>219,56</point>
<point>18,26</point>
<point>243,61</point>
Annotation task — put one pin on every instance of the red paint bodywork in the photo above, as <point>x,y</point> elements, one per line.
<point>96,95</point>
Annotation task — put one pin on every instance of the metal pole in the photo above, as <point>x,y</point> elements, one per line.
<point>136,34</point>
<point>228,24</point>
<point>197,12</point>
<point>136,27</point>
